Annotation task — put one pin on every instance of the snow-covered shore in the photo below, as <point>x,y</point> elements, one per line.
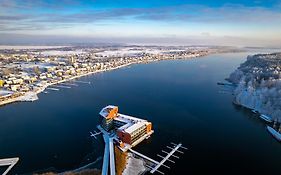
<point>134,166</point>
<point>259,84</point>
<point>32,95</point>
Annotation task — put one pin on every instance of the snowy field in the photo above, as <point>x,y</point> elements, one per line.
<point>61,53</point>
<point>30,66</point>
<point>133,52</point>
<point>134,167</point>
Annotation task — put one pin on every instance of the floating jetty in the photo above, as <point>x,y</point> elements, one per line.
<point>155,165</point>
<point>225,84</point>
<point>53,89</point>
<point>274,133</point>
<point>123,132</point>
<point>275,130</point>
<point>10,162</point>
<point>85,82</point>
<point>69,84</point>
<point>59,86</point>
<point>255,111</point>
<point>265,118</point>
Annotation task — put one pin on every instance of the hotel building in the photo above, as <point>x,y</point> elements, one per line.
<point>129,130</point>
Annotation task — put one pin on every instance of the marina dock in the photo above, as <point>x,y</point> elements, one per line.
<point>10,162</point>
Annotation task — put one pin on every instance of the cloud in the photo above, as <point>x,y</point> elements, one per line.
<point>39,17</point>
<point>31,4</point>
<point>183,14</point>
<point>226,13</point>
<point>13,17</point>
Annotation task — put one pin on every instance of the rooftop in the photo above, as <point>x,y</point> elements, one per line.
<point>130,123</point>
<point>135,126</point>
<point>106,110</point>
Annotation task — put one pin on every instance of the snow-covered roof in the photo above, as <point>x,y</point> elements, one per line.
<point>135,126</point>
<point>125,126</point>
<point>132,123</point>
<point>105,111</point>
<point>127,118</point>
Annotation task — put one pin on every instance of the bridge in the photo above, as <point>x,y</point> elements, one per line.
<point>108,156</point>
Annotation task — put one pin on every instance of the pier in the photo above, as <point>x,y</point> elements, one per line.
<point>105,163</point>
<point>108,157</point>
<point>53,89</point>
<point>226,84</point>
<point>10,162</point>
<point>69,84</point>
<point>112,157</point>
<point>85,82</point>
<point>59,86</point>
<point>174,149</point>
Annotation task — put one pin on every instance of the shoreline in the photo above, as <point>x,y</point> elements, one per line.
<point>31,96</point>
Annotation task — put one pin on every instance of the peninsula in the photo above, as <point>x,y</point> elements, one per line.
<point>258,82</point>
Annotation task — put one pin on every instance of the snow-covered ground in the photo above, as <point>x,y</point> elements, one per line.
<point>31,65</point>
<point>134,166</point>
<point>121,52</point>
<point>259,84</point>
<point>61,52</point>
<point>29,96</point>
<point>135,52</point>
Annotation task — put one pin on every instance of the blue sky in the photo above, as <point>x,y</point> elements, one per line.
<point>219,22</point>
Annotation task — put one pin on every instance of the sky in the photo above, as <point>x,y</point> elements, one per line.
<point>170,22</point>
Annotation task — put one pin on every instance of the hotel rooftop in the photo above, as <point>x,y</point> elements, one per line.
<point>129,130</point>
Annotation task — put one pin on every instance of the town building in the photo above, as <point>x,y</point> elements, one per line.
<point>2,83</point>
<point>129,130</point>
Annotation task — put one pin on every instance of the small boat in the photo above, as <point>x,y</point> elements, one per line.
<point>236,103</point>
<point>274,133</point>
<point>225,84</point>
<point>254,111</point>
<point>266,118</point>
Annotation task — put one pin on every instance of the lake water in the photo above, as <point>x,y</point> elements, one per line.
<point>180,97</point>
